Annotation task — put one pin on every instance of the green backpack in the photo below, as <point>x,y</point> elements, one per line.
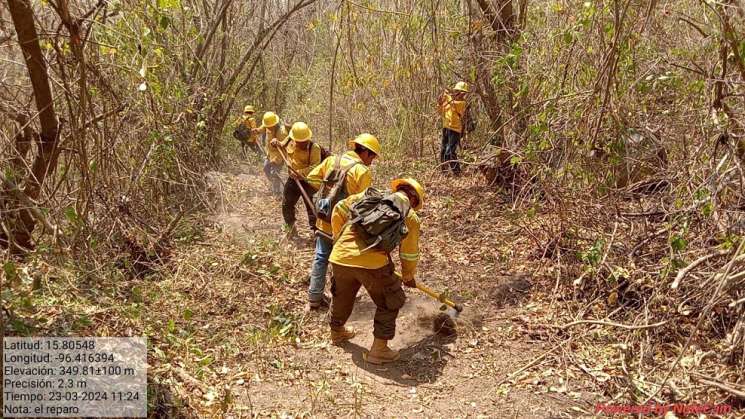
<point>380,220</point>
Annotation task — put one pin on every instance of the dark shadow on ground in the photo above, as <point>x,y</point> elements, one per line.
<point>511,290</point>
<point>163,403</point>
<point>420,363</point>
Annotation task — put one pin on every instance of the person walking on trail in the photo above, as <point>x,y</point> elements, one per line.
<point>453,107</point>
<point>273,163</point>
<point>336,178</point>
<point>302,156</point>
<point>246,133</point>
<point>360,258</point>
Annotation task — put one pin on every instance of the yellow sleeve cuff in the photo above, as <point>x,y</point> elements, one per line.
<point>408,270</point>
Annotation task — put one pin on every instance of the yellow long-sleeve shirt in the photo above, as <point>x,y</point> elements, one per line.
<point>358,179</point>
<point>347,248</point>
<point>453,112</point>
<point>273,152</point>
<point>250,123</point>
<point>302,161</point>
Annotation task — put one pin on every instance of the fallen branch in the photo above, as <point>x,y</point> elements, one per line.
<point>704,313</point>
<point>529,365</point>
<point>722,386</point>
<point>736,277</point>
<point>685,271</point>
<point>734,303</point>
<point>641,214</point>
<point>611,324</point>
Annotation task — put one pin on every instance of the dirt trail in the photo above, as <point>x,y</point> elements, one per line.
<point>463,376</point>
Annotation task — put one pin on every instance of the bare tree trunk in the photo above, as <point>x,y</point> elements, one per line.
<point>501,18</point>
<point>486,88</point>
<point>45,160</point>
<point>502,22</point>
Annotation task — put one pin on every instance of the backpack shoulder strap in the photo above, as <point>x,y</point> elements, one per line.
<point>337,165</point>
<point>349,222</point>
<point>311,148</point>
<point>346,225</point>
<point>349,167</point>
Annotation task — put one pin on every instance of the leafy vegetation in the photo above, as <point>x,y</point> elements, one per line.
<point>607,165</point>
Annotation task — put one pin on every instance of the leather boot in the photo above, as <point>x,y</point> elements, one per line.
<point>380,353</point>
<point>339,336</point>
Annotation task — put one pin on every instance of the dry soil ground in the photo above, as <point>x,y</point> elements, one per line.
<point>268,356</point>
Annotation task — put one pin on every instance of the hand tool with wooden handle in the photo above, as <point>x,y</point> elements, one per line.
<point>304,194</point>
<point>439,296</point>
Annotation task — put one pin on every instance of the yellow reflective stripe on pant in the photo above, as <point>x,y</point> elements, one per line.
<point>413,257</point>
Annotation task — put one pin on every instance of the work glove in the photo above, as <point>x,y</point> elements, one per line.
<point>409,282</point>
<point>275,142</point>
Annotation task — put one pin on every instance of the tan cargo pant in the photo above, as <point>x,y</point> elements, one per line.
<point>383,287</point>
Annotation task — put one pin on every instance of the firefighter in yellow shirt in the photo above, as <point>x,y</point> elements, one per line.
<point>302,156</point>
<point>354,166</point>
<point>453,108</point>
<point>246,132</point>
<point>272,130</point>
<point>354,263</point>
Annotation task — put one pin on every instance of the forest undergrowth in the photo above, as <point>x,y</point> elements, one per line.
<point>230,296</point>
<point>596,237</point>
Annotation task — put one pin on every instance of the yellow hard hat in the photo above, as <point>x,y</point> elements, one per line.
<point>300,132</point>
<point>397,183</point>
<point>269,120</point>
<point>461,86</point>
<point>249,109</point>
<point>368,141</point>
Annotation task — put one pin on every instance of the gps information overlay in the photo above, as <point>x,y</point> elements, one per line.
<point>73,377</point>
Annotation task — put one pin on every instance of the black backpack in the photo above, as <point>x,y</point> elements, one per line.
<point>241,132</point>
<point>333,189</point>
<point>324,153</point>
<point>380,220</point>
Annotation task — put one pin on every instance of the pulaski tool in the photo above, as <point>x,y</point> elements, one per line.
<point>444,322</point>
